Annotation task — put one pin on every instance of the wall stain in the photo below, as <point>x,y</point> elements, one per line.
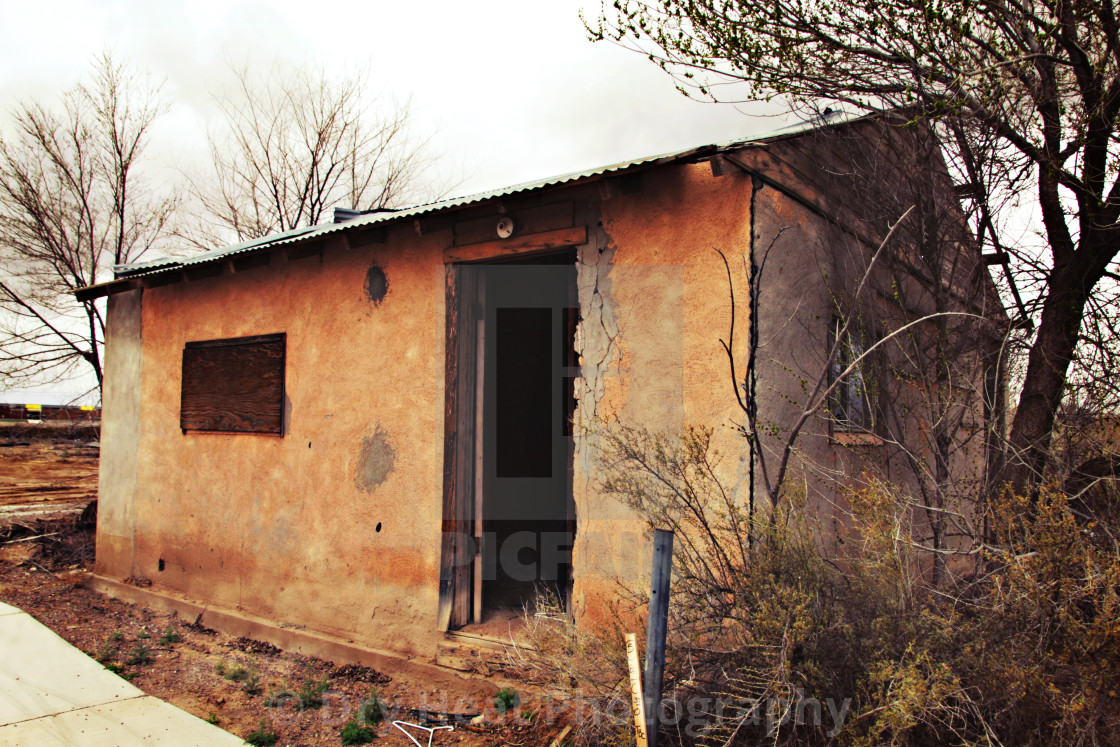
<point>377,285</point>
<point>375,461</point>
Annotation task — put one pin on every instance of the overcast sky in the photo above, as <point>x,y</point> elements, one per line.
<point>509,90</point>
<point>512,90</point>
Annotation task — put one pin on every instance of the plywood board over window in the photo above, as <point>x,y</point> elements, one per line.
<point>234,385</point>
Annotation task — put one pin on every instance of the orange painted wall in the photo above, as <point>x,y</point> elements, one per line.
<point>281,526</point>
<point>655,304</point>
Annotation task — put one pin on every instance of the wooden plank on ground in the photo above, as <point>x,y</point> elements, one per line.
<point>637,706</point>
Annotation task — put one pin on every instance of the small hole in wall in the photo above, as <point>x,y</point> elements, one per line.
<point>378,527</point>
<point>376,285</point>
<point>309,444</point>
<point>161,564</point>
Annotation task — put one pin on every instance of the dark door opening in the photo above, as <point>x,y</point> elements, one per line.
<point>527,513</point>
<point>512,491</point>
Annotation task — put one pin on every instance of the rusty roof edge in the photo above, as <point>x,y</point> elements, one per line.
<point>162,265</point>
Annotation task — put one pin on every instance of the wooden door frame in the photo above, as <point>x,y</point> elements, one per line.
<point>458,550</point>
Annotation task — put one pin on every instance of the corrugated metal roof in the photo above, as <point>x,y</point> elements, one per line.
<point>135,268</point>
<point>161,265</point>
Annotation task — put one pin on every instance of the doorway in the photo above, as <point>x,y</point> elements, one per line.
<point>515,334</point>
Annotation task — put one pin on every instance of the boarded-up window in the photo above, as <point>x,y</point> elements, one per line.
<point>234,385</point>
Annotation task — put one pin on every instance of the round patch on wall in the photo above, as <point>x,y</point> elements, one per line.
<point>377,285</point>
<point>375,461</point>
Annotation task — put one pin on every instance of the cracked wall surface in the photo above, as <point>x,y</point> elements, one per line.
<point>655,303</point>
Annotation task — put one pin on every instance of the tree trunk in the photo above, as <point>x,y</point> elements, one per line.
<point>1047,366</point>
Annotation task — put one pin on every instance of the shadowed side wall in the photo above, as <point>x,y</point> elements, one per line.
<point>796,249</point>
<point>812,270</point>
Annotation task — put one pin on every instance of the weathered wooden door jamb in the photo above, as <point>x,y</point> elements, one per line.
<point>458,548</point>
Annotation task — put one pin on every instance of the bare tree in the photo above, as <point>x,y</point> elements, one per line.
<point>1013,89</point>
<point>72,205</point>
<point>296,143</point>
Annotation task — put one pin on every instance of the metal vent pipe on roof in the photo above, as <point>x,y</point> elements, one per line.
<point>342,215</point>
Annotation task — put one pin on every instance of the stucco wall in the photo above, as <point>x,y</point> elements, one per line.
<point>287,527</point>
<point>335,525</point>
<point>655,304</point>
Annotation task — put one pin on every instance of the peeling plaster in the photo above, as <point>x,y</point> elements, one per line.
<point>598,335</point>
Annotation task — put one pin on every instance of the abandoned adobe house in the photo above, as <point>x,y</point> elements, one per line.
<point>317,429</point>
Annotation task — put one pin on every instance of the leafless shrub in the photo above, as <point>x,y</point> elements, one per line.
<point>585,667</point>
<point>1024,650</point>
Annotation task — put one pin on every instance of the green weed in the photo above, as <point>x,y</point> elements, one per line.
<point>252,684</point>
<point>506,700</point>
<point>171,635</point>
<point>263,736</point>
<point>141,655</point>
<point>107,652</point>
<point>355,733</point>
<point>236,673</point>
<point>373,710</point>
<point>310,692</point>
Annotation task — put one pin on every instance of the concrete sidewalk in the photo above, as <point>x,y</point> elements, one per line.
<point>53,694</point>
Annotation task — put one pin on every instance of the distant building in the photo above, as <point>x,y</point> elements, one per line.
<point>37,413</point>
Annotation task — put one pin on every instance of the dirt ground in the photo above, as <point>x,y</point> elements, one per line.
<point>244,686</point>
<point>40,478</point>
